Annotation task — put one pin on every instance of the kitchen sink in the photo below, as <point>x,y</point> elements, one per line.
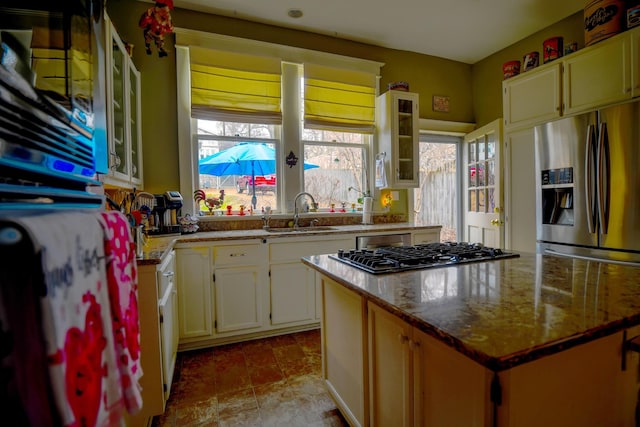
<point>300,229</point>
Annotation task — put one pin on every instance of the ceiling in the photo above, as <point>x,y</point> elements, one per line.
<point>461,30</point>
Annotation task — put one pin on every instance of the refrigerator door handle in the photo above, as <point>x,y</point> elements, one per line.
<point>589,179</point>
<point>603,178</point>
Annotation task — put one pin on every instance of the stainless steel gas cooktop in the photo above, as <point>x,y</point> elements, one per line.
<point>394,259</point>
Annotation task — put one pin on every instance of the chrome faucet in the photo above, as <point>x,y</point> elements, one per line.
<point>295,206</point>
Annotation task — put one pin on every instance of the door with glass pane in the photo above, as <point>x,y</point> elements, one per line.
<point>437,199</point>
<point>483,186</point>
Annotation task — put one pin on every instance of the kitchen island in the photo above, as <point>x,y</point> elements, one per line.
<point>528,341</point>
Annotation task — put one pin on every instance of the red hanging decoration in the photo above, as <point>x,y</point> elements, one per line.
<point>156,22</point>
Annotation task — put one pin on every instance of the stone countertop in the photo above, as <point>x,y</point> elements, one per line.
<point>157,246</point>
<point>506,312</point>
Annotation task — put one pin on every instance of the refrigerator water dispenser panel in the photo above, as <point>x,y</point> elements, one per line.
<point>557,176</point>
<point>557,196</point>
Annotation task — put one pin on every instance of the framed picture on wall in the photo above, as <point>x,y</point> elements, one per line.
<point>441,103</point>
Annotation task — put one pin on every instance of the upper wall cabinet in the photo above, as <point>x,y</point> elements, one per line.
<point>594,77</point>
<point>123,115</point>
<point>398,136</point>
<point>533,97</point>
<point>597,76</point>
<point>635,63</point>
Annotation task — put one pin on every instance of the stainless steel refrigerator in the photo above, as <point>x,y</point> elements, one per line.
<point>588,184</point>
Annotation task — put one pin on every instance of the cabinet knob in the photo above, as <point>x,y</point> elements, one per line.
<point>414,345</point>
<point>403,338</point>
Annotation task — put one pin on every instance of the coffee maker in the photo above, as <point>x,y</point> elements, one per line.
<point>166,212</point>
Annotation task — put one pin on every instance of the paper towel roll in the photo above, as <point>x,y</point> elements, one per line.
<point>367,211</point>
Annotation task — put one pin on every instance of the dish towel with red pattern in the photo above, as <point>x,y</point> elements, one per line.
<point>76,318</point>
<point>122,281</point>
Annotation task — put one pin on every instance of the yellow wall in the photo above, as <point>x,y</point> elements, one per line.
<point>426,75</point>
<point>475,91</point>
<point>487,74</point>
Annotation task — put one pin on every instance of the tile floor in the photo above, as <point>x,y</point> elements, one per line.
<point>266,382</point>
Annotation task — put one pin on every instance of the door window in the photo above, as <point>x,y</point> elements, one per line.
<point>436,200</point>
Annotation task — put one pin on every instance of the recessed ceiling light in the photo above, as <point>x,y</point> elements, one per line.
<point>295,13</point>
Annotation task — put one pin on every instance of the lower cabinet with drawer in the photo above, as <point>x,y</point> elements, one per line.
<point>223,292</point>
<point>240,288</point>
<point>157,310</point>
<point>234,290</point>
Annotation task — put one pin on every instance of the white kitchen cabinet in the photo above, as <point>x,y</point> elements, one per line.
<point>430,236</point>
<point>240,287</point>
<point>344,351</point>
<point>293,284</point>
<point>222,291</point>
<point>416,380</point>
<point>169,323</point>
<point>398,125</point>
<point>239,295</point>
<point>448,383</point>
<point>158,335</point>
<point>390,365</point>
<point>292,293</point>
<point>519,189</point>
<point>533,97</point>
<point>635,62</point>
<point>124,130</point>
<point>594,77</point>
<point>234,290</point>
<point>195,296</point>
<point>589,377</point>
<point>597,76</point>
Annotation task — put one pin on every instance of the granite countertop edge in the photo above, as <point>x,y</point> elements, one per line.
<point>158,246</point>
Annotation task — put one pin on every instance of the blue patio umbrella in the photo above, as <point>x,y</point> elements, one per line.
<point>246,158</point>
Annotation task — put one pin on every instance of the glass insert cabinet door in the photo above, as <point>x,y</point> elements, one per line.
<point>134,125</point>
<point>398,137</point>
<point>123,114</point>
<point>118,149</point>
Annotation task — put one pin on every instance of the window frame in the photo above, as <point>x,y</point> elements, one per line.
<point>291,130</point>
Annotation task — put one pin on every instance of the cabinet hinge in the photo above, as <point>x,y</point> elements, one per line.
<point>269,273</point>
<point>496,390</point>
<point>215,324</point>
<point>164,387</point>
<point>214,277</point>
<point>161,318</point>
<point>269,316</point>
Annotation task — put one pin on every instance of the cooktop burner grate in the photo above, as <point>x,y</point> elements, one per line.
<point>391,259</point>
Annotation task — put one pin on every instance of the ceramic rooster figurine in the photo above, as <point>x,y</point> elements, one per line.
<point>215,202</point>
<point>199,196</point>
